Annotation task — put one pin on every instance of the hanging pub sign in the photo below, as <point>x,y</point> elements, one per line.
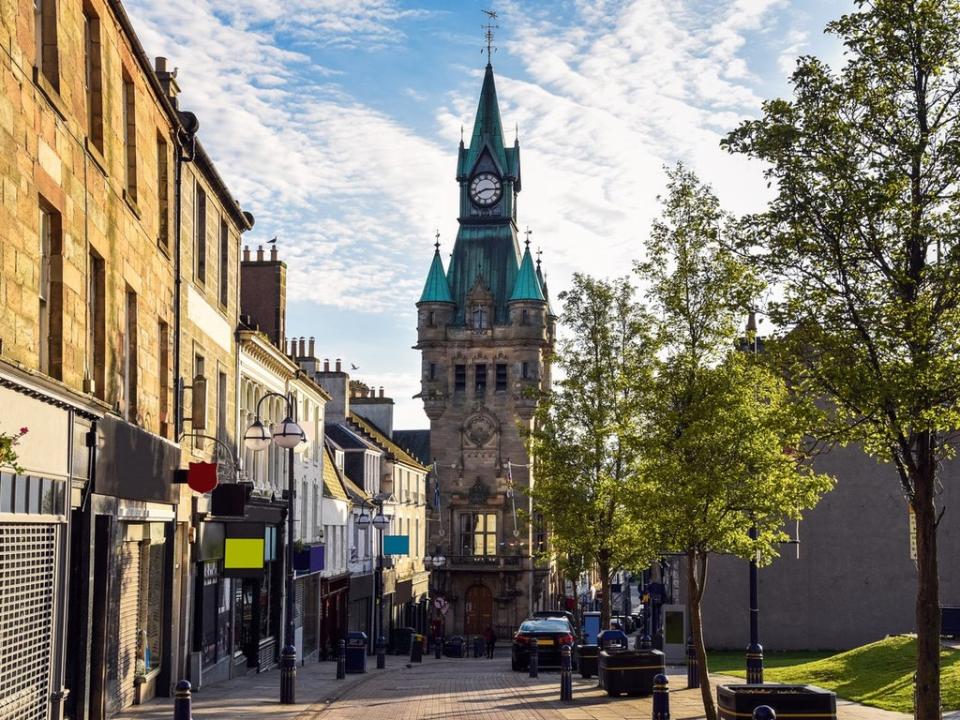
<point>202,477</point>
<point>396,544</point>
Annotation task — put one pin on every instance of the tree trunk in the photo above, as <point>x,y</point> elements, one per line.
<point>928,591</point>
<point>696,577</point>
<point>603,566</point>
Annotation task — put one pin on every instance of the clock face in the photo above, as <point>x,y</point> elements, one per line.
<point>485,189</point>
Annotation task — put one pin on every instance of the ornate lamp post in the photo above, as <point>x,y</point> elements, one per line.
<point>287,435</point>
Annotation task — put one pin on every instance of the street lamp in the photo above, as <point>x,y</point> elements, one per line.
<point>287,435</point>
<point>381,522</point>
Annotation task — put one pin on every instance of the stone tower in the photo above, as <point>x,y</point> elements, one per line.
<point>486,332</point>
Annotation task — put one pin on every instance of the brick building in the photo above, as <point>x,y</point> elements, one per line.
<point>485,331</point>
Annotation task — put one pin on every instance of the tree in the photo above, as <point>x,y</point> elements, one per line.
<point>862,237</point>
<point>724,450</point>
<point>588,430</point>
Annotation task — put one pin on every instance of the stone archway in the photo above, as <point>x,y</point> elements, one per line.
<point>477,610</point>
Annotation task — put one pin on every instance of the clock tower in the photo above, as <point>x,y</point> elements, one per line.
<point>485,330</point>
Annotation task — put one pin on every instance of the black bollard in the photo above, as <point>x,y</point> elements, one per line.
<point>288,675</point>
<point>342,660</point>
<point>566,674</point>
<point>764,712</point>
<point>661,698</point>
<point>438,647</point>
<point>693,670</point>
<point>755,664</point>
<point>534,663</point>
<point>645,642</point>
<point>381,653</point>
<point>182,702</point>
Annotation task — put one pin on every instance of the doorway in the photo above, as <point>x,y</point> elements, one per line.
<point>478,610</point>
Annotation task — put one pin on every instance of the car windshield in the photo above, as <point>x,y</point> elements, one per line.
<point>545,625</point>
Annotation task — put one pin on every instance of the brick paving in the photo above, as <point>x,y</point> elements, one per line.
<point>488,690</point>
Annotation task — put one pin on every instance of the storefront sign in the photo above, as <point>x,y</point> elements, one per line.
<point>396,544</point>
<point>243,550</point>
<point>202,477</point>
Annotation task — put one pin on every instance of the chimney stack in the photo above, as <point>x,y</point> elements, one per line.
<point>273,253</point>
<point>326,364</point>
<point>312,350</point>
<point>167,78</point>
<point>260,253</point>
<point>338,365</point>
<point>381,391</point>
<point>303,347</point>
<point>246,253</point>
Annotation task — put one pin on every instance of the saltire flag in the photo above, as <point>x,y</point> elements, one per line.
<point>436,485</point>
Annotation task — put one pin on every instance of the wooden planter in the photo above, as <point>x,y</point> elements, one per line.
<point>798,702</point>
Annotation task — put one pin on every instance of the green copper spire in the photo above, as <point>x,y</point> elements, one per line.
<point>436,288</point>
<point>487,129</point>
<point>527,284</point>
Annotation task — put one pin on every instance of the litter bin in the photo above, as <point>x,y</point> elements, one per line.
<point>587,656</point>
<point>479,647</point>
<point>356,652</point>
<point>401,640</point>
<point>416,647</point>
<point>455,646</point>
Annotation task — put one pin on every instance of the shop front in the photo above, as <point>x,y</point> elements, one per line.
<point>35,528</point>
<point>212,632</point>
<point>333,620</point>
<point>360,615</point>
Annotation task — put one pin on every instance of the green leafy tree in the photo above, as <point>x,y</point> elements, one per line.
<point>589,430</point>
<point>863,239</point>
<point>725,437</point>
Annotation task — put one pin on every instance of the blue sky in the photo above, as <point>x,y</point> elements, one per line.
<point>336,122</point>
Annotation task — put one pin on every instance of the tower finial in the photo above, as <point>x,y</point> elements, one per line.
<point>539,253</point>
<point>437,243</point>
<point>528,233</point>
<point>489,28</point>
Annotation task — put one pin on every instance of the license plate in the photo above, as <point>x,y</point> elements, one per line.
<point>541,642</point>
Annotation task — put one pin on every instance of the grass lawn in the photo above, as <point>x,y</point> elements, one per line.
<point>879,674</point>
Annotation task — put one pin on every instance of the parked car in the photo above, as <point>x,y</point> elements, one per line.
<point>555,613</point>
<point>550,633</point>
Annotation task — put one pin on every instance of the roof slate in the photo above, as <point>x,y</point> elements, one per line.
<point>332,484</point>
<point>417,443</point>
<point>380,438</point>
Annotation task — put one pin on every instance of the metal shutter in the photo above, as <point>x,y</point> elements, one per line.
<point>129,618</point>
<point>28,570</point>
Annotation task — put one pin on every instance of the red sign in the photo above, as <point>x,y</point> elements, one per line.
<point>202,477</point>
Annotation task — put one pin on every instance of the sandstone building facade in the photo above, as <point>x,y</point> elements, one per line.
<point>486,332</point>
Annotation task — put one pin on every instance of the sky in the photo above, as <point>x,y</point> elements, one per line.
<point>336,123</point>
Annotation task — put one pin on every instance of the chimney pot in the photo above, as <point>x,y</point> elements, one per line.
<point>338,365</point>
<point>311,351</point>
<point>246,253</point>
<point>381,391</point>
<point>160,64</point>
<point>260,253</point>
<point>326,364</point>
<point>303,347</point>
<point>273,253</point>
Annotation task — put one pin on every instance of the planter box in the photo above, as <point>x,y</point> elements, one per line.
<point>798,702</point>
<point>309,559</point>
<point>950,622</point>
<point>587,656</point>
<point>629,671</point>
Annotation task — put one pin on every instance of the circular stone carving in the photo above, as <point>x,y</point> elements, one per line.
<point>480,429</point>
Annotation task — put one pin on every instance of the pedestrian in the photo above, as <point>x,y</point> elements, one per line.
<point>490,638</point>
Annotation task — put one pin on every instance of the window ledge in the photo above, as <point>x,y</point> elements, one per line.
<point>164,248</point>
<point>94,152</point>
<point>50,93</point>
<point>132,204</point>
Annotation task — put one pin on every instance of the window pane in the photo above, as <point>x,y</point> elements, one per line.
<point>491,522</point>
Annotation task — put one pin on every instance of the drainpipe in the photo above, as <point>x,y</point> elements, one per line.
<point>186,136</point>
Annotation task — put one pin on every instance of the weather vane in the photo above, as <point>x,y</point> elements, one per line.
<point>437,244</point>
<point>539,253</point>
<point>490,27</point>
<point>528,233</point>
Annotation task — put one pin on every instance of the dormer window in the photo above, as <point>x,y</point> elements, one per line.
<point>480,318</point>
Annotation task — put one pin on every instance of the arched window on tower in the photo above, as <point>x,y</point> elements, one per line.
<point>480,319</point>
